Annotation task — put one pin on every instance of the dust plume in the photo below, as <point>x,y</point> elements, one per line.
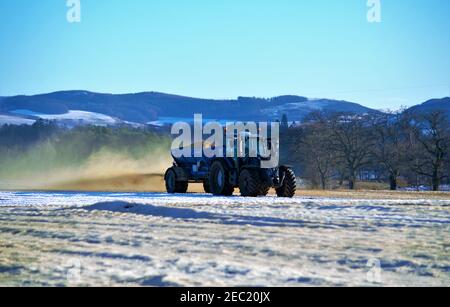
<point>78,163</point>
<point>103,171</point>
<point>110,171</point>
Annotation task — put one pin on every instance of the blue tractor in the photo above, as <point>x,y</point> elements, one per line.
<point>221,176</point>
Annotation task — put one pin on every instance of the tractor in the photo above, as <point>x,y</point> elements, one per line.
<point>222,175</point>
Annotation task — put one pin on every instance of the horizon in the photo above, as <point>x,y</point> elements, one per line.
<point>226,50</point>
<point>230,98</point>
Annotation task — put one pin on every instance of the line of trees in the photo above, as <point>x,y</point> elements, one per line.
<point>401,148</point>
<point>385,147</point>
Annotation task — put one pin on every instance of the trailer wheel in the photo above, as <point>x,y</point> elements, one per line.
<point>289,186</point>
<point>172,185</point>
<point>250,183</point>
<point>219,180</point>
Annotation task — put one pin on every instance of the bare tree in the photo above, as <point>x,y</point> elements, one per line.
<point>391,145</point>
<point>352,144</point>
<point>318,152</point>
<point>431,142</point>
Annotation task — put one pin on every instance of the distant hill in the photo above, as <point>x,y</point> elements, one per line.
<point>433,105</point>
<point>152,106</point>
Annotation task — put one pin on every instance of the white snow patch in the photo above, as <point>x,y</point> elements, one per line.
<point>74,116</point>
<point>14,120</point>
<point>307,106</point>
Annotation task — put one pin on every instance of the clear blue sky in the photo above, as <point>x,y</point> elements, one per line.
<point>227,48</point>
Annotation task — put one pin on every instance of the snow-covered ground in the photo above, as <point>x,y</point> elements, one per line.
<point>197,240</point>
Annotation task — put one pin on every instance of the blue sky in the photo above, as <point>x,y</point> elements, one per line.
<point>230,48</point>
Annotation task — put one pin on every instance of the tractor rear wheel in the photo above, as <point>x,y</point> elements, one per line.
<point>219,180</point>
<point>250,183</point>
<point>264,190</point>
<point>173,185</point>
<point>289,186</point>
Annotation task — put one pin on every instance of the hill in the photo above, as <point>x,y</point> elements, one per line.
<point>153,106</point>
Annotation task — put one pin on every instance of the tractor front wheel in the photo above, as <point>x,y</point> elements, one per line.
<point>289,186</point>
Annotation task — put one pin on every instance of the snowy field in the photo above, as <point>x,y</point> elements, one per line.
<point>135,239</point>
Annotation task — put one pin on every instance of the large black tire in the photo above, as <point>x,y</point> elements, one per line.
<point>172,185</point>
<point>207,186</point>
<point>229,191</point>
<point>250,183</point>
<point>289,186</point>
<point>264,190</point>
<point>219,180</point>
